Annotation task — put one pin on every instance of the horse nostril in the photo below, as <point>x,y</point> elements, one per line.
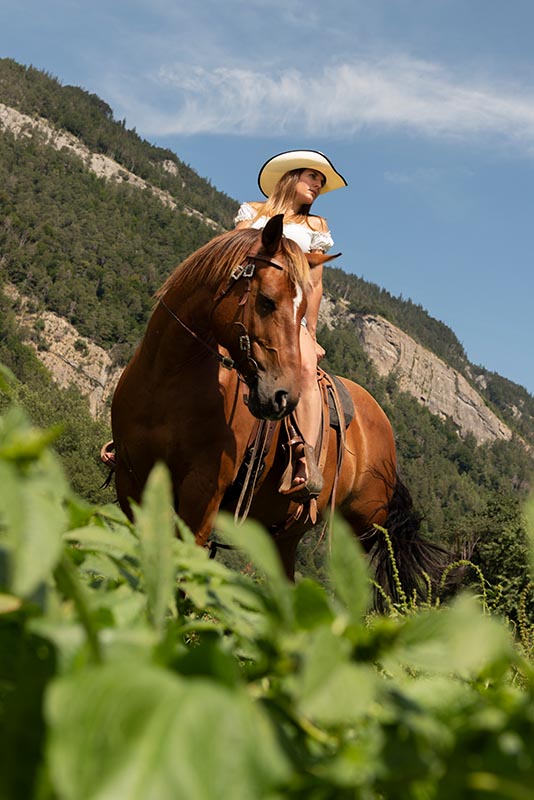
<point>280,400</point>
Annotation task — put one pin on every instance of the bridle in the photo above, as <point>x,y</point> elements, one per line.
<point>241,271</point>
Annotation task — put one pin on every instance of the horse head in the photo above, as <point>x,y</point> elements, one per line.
<point>257,318</point>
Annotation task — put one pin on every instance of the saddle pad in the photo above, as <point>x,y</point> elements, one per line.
<point>346,404</point>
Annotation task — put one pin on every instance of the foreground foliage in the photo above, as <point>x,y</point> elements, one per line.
<point>133,666</point>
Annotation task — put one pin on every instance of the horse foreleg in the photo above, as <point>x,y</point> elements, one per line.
<point>198,499</point>
<point>287,549</point>
<point>127,488</point>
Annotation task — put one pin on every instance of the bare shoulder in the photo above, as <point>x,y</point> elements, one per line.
<point>317,223</point>
<point>255,204</point>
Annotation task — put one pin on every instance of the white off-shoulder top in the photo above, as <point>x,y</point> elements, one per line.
<point>303,235</point>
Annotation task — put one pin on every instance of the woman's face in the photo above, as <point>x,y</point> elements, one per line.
<point>308,186</point>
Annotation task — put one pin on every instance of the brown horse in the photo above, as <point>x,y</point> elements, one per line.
<point>221,350</point>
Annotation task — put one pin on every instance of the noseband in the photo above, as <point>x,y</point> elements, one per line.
<point>245,271</point>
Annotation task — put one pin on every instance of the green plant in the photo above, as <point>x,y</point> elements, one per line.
<point>134,666</point>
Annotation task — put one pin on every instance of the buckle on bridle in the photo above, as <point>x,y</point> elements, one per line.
<point>244,344</point>
<point>243,271</point>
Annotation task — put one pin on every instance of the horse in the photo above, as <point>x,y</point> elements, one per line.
<point>220,352</point>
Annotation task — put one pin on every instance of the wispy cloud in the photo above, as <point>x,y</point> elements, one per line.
<point>422,176</point>
<point>340,100</point>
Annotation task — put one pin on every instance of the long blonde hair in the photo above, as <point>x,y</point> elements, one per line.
<point>216,259</point>
<point>282,198</point>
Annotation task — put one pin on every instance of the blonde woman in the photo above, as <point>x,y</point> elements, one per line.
<point>291,182</point>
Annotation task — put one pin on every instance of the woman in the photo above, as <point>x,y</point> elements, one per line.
<point>292,181</point>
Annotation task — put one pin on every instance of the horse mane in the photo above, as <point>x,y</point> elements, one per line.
<point>216,259</point>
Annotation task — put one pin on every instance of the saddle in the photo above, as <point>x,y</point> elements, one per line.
<point>345,402</point>
<point>337,413</point>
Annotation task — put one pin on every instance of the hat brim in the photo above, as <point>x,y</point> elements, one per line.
<point>278,165</point>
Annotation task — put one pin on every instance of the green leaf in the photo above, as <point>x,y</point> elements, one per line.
<point>253,539</point>
<point>82,513</point>
<point>20,441</point>
<point>493,785</point>
<point>312,608</point>
<point>330,689</point>
<point>31,509</point>
<point>184,531</point>
<point>320,654</point>
<point>69,640</point>
<point>125,605</point>
<point>9,603</point>
<point>459,639</point>
<point>131,730</point>
<point>117,543</point>
<point>444,696</point>
<point>155,527</point>
<point>208,658</point>
<point>345,696</point>
<point>112,513</point>
<point>348,570</point>
<point>102,567</point>
<point>357,762</point>
<point>237,608</point>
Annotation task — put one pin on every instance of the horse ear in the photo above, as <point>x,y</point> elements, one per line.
<point>314,259</point>
<point>272,233</point>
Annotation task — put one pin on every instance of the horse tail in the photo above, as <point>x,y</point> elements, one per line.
<point>407,566</point>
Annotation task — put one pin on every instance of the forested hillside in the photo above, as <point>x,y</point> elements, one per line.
<point>94,251</point>
<point>91,119</point>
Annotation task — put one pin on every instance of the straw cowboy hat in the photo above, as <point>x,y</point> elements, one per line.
<point>275,167</point>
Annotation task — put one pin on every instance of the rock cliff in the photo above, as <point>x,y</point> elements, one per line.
<point>439,387</point>
<point>70,358</point>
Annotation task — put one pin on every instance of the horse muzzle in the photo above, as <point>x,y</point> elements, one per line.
<point>266,401</point>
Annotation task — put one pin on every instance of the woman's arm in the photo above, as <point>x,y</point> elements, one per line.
<point>315,293</point>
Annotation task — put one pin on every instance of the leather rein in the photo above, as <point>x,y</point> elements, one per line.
<point>246,271</point>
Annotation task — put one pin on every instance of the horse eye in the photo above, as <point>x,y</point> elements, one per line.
<point>266,304</point>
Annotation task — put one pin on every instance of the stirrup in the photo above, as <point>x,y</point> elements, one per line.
<point>314,482</point>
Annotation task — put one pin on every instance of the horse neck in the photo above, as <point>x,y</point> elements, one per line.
<point>173,350</point>
<point>194,310</point>
<point>179,328</point>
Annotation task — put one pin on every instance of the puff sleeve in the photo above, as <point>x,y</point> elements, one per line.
<point>321,240</point>
<point>245,213</point>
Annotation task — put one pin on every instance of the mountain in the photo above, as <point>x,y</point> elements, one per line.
<point>93,219</point>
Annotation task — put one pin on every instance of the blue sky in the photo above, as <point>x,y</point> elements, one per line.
<point>425,106</point>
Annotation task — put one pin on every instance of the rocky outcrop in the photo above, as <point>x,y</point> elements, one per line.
<point>443,390</point>
<point>439,387</point>
<point>71,359</point>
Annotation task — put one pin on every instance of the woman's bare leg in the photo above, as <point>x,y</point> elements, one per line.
<point>309,408</point>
